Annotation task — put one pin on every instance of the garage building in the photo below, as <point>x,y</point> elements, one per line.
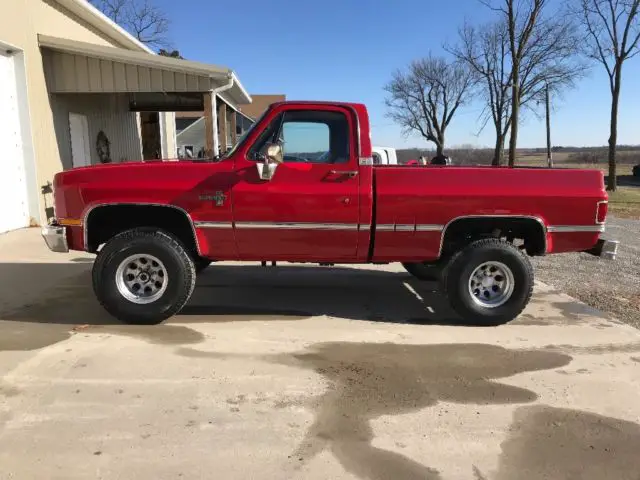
<point>76,89</point>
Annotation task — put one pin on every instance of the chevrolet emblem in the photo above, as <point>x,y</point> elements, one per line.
<point>219,197</point>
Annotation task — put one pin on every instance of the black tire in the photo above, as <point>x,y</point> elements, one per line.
<point>180,274</point>
<point>455,281</point>
<point>200,263</point>
<point>424,271</point>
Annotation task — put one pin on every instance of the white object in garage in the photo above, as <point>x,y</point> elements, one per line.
<point>14,212</point>
<point>80,149</point>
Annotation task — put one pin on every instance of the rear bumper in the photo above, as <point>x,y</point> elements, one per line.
<point>607,249</point>
<point>55,236</point>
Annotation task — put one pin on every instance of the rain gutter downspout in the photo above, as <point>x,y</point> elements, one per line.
<point>214,113</point>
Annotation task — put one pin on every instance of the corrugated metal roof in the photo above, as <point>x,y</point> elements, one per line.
<point>80,67</point>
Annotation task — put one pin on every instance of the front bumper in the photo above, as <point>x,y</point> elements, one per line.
<point>607,249</point>
<point>55,236</point>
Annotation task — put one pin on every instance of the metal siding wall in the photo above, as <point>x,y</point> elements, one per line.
<point>109,113</point>
<point>60,111</point>
<point>68,73</point>
<point>121,129</point>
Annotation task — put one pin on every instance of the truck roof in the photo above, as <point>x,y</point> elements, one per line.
<point>318,102</point>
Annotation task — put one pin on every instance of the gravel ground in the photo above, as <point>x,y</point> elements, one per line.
<point>612,287</point>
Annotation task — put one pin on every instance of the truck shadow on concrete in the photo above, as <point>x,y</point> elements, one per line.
<point>51,311</point>
<point>241,292</point>
<point>224,293</point>
<point>249,293</point>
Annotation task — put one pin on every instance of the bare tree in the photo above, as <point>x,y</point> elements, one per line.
<point>141,18</point>
<point>613,28</point>
<point>484,50</point>
<point>520,16</point>
<point>549,59</point>
<point>425,98</point>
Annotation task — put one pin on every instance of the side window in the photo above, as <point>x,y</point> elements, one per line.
<point>315,137</point>
<point>308,136</point>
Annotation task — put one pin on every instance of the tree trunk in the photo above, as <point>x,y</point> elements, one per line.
<point>612,182</point>
<point>515,110</point>
<point>440,146</point>
<point>498,152</point>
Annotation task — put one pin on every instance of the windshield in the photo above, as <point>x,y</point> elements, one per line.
<point>244,136</point>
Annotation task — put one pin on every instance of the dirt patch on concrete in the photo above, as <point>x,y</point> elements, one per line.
<point>370,380</point>
<point>557,443</point>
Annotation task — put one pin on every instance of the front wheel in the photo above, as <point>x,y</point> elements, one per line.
<point>143,277</point>
<point>489,282</point>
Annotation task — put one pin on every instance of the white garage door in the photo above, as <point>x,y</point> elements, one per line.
<point>14,210</point>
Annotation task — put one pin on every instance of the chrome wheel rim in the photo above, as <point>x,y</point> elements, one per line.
<point>141,278</point>
<point>491,284</point>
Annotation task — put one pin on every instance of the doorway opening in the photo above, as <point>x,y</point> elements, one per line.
<point>151,140</point>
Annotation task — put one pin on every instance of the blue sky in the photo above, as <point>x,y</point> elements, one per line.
<point>347,49</point>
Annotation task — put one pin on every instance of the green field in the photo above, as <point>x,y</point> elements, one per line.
<point>625,202</point>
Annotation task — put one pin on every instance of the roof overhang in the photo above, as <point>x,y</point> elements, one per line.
<point>98,20</point>
<point>78,67</point>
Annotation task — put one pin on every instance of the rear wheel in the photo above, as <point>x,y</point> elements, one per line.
<point>143,277</point>
<point>489,282</point>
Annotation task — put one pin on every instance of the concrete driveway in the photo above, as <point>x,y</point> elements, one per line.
<point>306,373</point>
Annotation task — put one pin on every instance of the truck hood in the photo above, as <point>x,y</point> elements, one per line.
<point>126,172</point>
<point>160,183</point>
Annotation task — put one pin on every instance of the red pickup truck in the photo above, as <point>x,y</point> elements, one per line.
<point>301,187</point>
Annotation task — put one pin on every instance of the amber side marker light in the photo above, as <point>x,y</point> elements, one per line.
<point>70,222</point>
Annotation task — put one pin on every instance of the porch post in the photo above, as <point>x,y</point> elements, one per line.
<point>210,125</point>
<point>222,126</point>
<point>234,130</point>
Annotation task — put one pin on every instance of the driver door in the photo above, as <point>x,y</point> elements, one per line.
<point>308,210</point>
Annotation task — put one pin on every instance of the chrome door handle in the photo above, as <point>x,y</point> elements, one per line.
<point>349,173</point>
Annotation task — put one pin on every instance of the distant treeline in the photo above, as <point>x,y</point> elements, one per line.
<point>619,148</point>
<point>629,154</point>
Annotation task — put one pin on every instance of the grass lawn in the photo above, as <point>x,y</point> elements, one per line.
<point>625,202</point>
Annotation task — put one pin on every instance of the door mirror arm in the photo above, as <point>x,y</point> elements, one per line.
<point>270,161</point>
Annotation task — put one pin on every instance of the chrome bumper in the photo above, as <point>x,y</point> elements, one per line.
<point>607,249</point>
<point>55,237</point>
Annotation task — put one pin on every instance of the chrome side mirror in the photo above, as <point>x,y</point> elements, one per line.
<point>267,169</point>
